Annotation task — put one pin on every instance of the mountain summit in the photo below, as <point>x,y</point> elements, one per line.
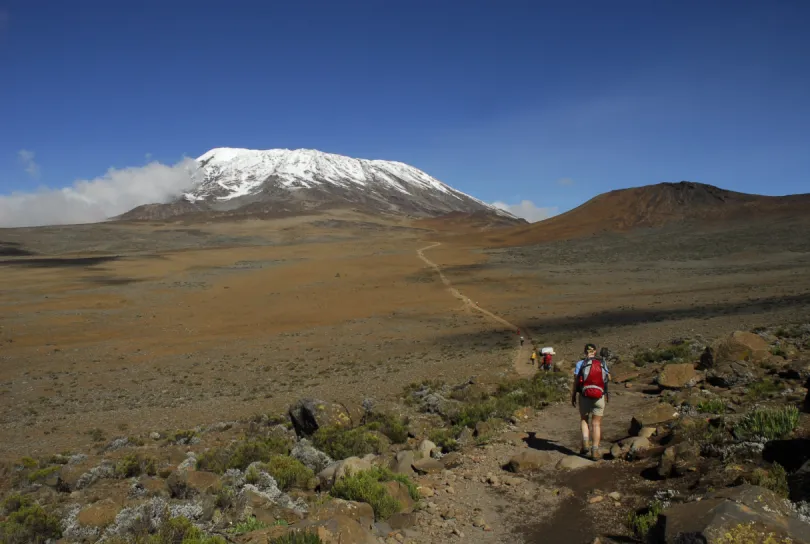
<point>249,181</point>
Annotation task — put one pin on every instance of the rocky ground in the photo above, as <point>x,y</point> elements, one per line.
<point>703,442</point>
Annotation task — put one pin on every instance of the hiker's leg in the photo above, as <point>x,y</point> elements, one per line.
<point>583,425</point>
<point>597,430</point>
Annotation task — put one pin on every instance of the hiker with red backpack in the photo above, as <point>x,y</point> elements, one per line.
<point>591,378</point>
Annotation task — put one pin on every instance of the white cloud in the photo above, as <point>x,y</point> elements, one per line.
<point>117,191</point>
<point>27,160</point>
<point>565,181</point>
<point>527,210</point>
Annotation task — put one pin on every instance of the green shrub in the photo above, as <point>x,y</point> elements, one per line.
<point>242,453</point>
<point>779,352</point>
<point>762,390</point>
<point>642,522</point>
<point>133,464</point>
<point>27,523</point>
<point>539,391</point>
<point>792,331</point>
<point>183,436</point>
<point>42,473</point>
<point>774,479</point>
<point>367,486</point>
<point>711,406</point>
<point>445,438</point>
<point>288,472</point>
<point>298,537</point>
<point>674,353</point>
<point>395,428</point>
<point>340,443</point>
<point>768,423</point>
<point>251,524</point>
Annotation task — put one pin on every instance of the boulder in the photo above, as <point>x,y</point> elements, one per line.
<point>360,512</point>
<point>310,456</point>
<point>339,469</point>
<point>647,432</point>
<point>428,448</point>
<point>183,484</point>
<point>452,460</point>
<point>528,460</point>
<point>744,513</point>
<point>400,492</point>
<point>799,483</point>
<point>402,463</point>
<point>573,462</point>
<point>679,459</point>
<point>730,374</point>
<point>678,376</point>
<point>660,413</point>
<point>339,529</point>
<point>631,447</point>
<point>741,346</point>
<point>428,466</point>
<point>309,415</point>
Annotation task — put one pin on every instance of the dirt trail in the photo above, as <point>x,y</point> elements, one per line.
<point>521,359</point>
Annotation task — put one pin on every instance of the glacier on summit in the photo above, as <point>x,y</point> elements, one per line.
<point>241,181</point>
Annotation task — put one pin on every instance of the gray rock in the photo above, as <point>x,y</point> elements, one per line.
<point>573,462</point>
<point>310,456</point>
<point>309,415</point>
<point>730,374</point>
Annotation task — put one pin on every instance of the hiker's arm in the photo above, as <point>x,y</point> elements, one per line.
<point>574,392</point>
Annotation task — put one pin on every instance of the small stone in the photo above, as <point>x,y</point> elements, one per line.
<point>154,435</point>
<point>479,522</point>
<point>596,499</point>
<point>425,491</point>
<point>493,480</point>
<point>450,491</point>
<point>615,495</point>
<point>458,532</point>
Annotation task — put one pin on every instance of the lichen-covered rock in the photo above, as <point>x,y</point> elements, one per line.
<point>678,376</point>
<point>660,413</point>
<point>679,459</point>
<point>730,374</point>
<point>528,460</point>
<point>310,456</point>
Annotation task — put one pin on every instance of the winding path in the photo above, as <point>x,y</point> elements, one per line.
<point>521,362</point>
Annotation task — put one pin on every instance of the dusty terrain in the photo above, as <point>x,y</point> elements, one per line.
<point>173,325</point>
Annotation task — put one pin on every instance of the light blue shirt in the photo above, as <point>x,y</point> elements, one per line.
<point>579,365</point>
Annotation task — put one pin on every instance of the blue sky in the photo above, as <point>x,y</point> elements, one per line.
<point>499,99</point>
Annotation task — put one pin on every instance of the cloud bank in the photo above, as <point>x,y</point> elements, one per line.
<point>90,201</point>
<point>527,210</point>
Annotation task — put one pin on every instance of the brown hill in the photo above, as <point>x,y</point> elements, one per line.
<point>477,221</point>
<point>655,206</point>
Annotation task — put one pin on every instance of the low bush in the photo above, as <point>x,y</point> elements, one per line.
<point>27,522</point>
<point>179,530</point>
<point>748,533</point>
<point>247,526</point>
<point>367,486</point>
<point>773,478</point>
<point>445,438</point>
<point>42,473</point>
<point>340,443</point>
<point>395,428</point>
<point>768,423</point>
<point>711,406</point>
<point>671,354</point>
<point>641,523</point>
<point>762,390</point>
<point>134,464</point>
<point>298,537</point>
<point>242,453</point>
<point>288,472</point>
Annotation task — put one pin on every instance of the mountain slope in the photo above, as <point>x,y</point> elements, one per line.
<point>246,182</point>
<point>656,206</point>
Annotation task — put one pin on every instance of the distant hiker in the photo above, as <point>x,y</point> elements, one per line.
<point>548,353</point>
<point>590,388</point>
<point>533,357</point>
<point>521,341</point>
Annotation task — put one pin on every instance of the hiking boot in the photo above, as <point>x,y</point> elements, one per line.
<point>586,447</point>
<point>595,454</point>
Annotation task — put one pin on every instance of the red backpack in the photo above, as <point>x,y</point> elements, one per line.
<point>592,378</point>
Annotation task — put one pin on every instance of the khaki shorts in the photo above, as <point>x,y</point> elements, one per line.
<point>589,406</point>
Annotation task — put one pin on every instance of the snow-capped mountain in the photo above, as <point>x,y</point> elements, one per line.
<point>283,180</point>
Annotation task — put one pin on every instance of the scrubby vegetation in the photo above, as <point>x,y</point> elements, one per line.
<point>242,453</point>
<point>773,478</point>
<point>395,428</point>
<point>762,390</point>
<point>298,537</point>
<point>287,471</point>
<point>340,443</point>
<point>675,353</point>
<point>641,523</point>
<point>367,486</point>
<point>768,423</point>
<point>134,464</point>
<point>711,406</point>
<point>26,522</point>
